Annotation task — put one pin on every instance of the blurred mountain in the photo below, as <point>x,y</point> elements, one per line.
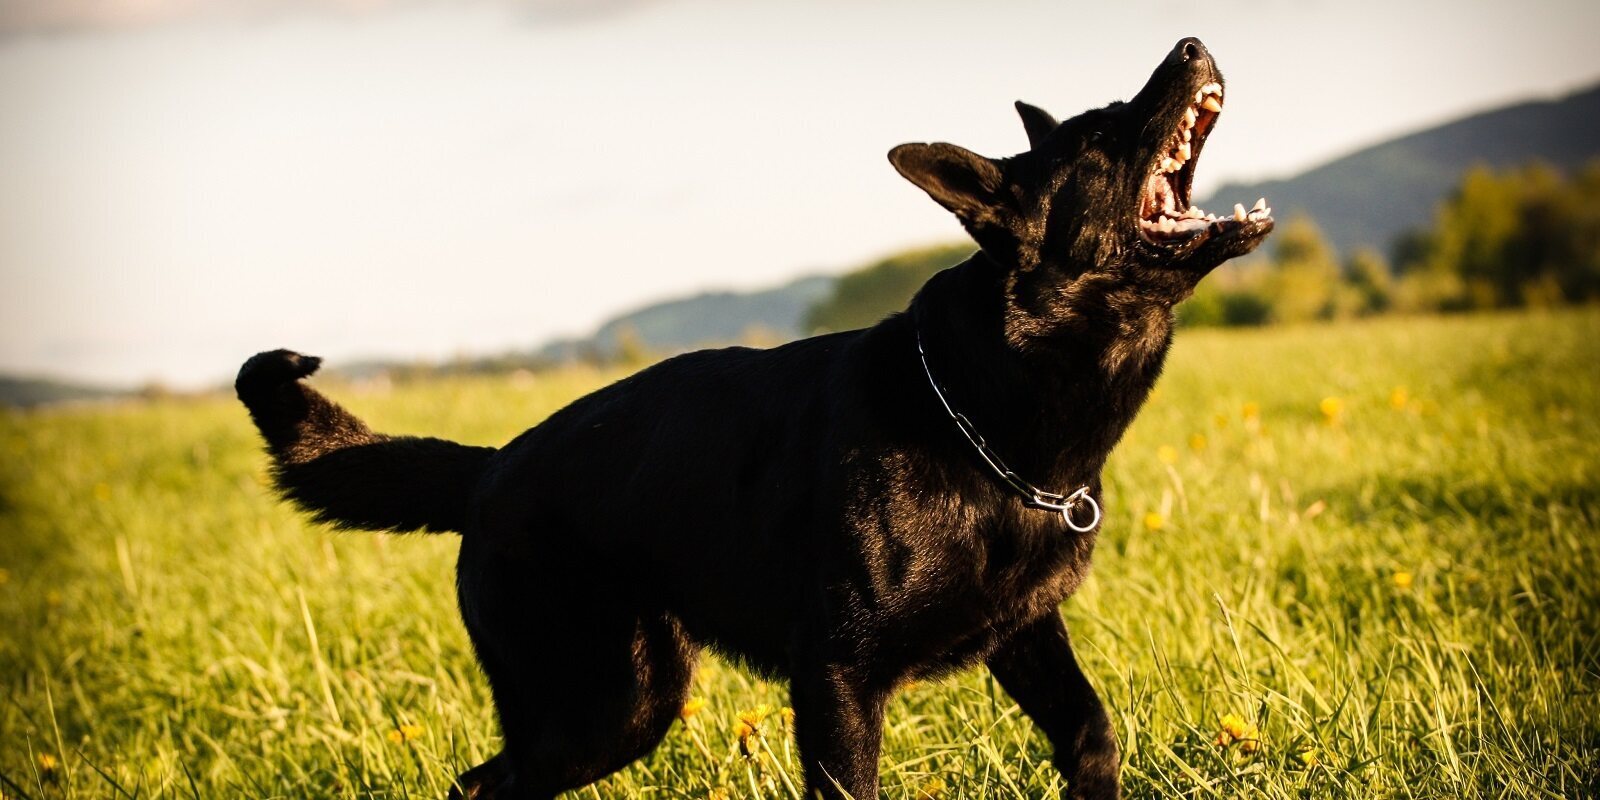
<point>18,392</point>
<point>867,294</point>
<point>1371,196</point>
<point>710,318</point>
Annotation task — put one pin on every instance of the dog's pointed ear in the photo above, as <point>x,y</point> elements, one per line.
<point>965,183</point>
<point>1036,121</point>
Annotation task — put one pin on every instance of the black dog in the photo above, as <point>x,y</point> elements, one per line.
<point>834,510</point>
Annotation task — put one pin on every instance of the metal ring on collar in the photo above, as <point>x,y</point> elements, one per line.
<point>1072,501</point>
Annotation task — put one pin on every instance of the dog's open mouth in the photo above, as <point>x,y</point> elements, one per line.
<point>1165,216</point>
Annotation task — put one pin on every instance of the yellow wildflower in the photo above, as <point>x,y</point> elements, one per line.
<point>1308,757</point>
<point>1235,730</point>
<point>746,733</point>
<point>48,764</point>
<point>1332,408</point>
<point>1197,442</point>
<point>406,733</point>
<point>1154,521</point>
<point>1167,454</point>
<point>1398,398</point>
<point>1402,580</point>
<point>932,789</point>
<point>754,716</point>
<point>1250,410</point>
<point>748,728</point>
<point>691,707</point>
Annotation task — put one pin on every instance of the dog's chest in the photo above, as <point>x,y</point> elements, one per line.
<point>948,591</point>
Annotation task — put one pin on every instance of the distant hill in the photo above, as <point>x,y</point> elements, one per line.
<point>29,392</point>
<point>1365,198</point>
<point>710,318</point>
<point>863,296</point>
<point>1371,196</point>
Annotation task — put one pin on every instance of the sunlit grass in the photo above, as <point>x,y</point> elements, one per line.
<point>1339,561</point>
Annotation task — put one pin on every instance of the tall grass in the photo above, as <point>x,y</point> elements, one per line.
<point>1372,547</point>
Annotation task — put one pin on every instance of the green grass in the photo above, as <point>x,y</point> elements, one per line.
<point>1402,598</point>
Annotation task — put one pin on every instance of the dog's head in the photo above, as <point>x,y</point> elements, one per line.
<point>1106,192</point>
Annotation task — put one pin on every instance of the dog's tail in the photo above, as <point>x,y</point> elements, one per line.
<point>333,466</point>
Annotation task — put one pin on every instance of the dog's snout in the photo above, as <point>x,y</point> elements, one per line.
<point>1189,49</point>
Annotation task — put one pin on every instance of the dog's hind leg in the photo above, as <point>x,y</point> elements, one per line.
<point>583,684</point>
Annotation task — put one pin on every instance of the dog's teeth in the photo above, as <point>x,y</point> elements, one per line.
<point>1211,104</point>
<point>1260,204</point>
<point>1266,212</point>
<point>1189,116</point>
<point>1238,212</point>
<point>1188,134</point>
<point>1193,212</point>
<point>1184,151</point>
<point>1166,225</point>
<point>1212,88</point>
<point>1168,165</point>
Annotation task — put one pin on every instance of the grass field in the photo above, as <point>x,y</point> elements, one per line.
<point>1368,551</point>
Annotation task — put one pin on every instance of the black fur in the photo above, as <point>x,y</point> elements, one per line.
<point>811,509</point>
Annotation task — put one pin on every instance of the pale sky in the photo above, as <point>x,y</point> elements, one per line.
<point>184,183</point>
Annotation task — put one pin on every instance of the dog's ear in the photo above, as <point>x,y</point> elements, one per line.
<point>965,183</point>
<point>1036,121</point>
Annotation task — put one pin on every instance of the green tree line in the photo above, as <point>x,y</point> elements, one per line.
<point>1519,237</point>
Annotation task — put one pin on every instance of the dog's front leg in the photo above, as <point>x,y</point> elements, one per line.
<point>838,721</point>
<point>1037,668</point>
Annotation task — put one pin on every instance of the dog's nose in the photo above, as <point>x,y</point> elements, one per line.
<point>1189,49</point>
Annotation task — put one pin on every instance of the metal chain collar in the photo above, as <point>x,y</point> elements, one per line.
<point>1032,496</point>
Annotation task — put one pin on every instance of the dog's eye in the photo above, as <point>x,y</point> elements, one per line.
<point>1094,137</point>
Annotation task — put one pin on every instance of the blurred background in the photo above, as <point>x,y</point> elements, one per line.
<point>1350,542</point>
<point>499,184</point>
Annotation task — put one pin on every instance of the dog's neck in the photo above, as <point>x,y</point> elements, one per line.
<point>1050,371</point>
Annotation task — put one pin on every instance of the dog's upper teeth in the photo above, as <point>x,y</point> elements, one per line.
<point>1212,88</point>
<point>1211,104</point>
<point>1184,151</point>
<point>1189,116</point>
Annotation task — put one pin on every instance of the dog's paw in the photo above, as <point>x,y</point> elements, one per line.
<point>482,781</point>
<point>273,368</point>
